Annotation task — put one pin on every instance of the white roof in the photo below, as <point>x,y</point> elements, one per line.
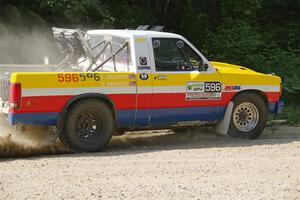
<point>130,33</point>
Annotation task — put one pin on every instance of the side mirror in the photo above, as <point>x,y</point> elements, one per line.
<point>204,67</point>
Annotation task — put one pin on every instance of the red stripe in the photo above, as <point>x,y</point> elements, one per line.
<point>273,96</point>
<point>56,103</point>
<point>175,100</point>
<point>128,101</point>
<point>43,104</point>
<point>144,101</point>
<point>123,101</point>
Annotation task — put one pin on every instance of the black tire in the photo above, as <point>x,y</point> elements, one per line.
<point>245,105</point>
<point>89,126</point>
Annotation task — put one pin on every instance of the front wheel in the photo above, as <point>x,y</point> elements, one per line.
<point>249,116</point>
<point>89,127</point>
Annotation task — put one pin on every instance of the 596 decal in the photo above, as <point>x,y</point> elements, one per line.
<point>213,87</point>
<point>78,77</point>
<point>197,90</point>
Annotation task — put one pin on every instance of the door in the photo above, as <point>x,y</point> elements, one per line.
<point>143,81</point>
<point>183,90</point>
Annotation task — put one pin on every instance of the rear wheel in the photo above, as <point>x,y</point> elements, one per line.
<point>89,126</point>
<point>249,116</point>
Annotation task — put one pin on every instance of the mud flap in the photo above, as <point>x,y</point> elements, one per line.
<point>223,126</point>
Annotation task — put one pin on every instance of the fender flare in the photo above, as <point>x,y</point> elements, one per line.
<point>64,113</point>
<point>222,126</point>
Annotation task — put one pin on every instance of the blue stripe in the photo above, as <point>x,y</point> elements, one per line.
<point>47,118</point>
<point>146,117</point>
<point>127,118</point>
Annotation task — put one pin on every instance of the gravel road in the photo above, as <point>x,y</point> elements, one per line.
<point>197,164</point>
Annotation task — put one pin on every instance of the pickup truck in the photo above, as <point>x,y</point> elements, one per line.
<point>116,80</point>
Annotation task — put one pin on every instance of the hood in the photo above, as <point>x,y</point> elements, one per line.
<point>225,67</point>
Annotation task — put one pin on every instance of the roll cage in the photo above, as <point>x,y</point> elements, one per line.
<point>74,45</point>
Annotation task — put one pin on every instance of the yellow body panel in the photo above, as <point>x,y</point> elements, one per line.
<point>238,75</point>
<point>52,79</point>
<point>226,73</point>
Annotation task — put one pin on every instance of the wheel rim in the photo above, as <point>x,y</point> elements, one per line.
<point>89,125</point>
<point>245,117</point>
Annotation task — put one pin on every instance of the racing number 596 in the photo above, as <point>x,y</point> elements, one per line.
<point>78,77</point>
<point>68,77</point>
<point>212,87</point>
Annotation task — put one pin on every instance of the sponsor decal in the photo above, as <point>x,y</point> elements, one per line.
<point>144,76</point>
<point>132,83</point>
<point>203,90</point>
<point>156,44</point>
<point>195,86</point>
<point>116,84</point>
<point>131,76</point>
<point>232,87</point>
<point>115,76</point>
<point>144,67</point>
<point>140,40</point>
<point>180,44</point>
<point>143,60</point>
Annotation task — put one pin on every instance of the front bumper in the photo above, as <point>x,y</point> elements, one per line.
<point>276,108</point>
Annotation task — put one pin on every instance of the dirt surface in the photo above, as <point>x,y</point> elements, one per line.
<point>195,164</point>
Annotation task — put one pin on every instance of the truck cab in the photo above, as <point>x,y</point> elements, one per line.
<point>127,79</point>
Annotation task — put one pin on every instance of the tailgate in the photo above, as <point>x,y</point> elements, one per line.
<point>4,93</point>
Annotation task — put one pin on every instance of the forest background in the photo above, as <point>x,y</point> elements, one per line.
<point>260,34</point>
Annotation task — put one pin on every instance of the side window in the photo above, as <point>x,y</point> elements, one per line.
<point>172,54</point>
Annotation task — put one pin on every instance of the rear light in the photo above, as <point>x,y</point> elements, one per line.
<point>15,96</point>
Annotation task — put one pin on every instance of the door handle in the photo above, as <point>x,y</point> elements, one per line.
<point>162,77</point>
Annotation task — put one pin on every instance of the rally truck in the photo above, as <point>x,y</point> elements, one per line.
<point>111,81</point>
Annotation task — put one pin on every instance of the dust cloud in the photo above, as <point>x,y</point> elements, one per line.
<point>25,38</point>
<point>29,142</point>
<point>27,46</point>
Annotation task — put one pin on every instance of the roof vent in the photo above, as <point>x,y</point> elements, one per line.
<point>143,27</point>
<point>157,28</point>
<point>151,28</point>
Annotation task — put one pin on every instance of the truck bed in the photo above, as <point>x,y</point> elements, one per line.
<point>6,70</point>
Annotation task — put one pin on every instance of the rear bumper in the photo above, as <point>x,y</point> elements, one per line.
<point>276,108</point>
<point>46,119</point>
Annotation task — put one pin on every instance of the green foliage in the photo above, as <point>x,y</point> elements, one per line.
<point>291,114</point>
<point>260,34</point>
